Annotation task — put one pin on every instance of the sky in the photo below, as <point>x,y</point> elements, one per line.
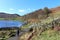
<point>23,7</point>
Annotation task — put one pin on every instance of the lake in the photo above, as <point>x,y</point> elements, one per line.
<point>10,23</point>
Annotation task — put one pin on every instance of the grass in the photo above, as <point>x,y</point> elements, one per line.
<point>5,34</point>
<point>1,18</point>
<point>25,36</point>
<point>15,19</point>
<point>25,26</point>
<point>18,19</point>
<point>51,17</point>
<point>48,35</point>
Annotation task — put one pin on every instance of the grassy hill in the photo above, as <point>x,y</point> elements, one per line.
<point>39,14</point>
<point>6,15</point>
<point>48,35</point>
<point>43,29</point>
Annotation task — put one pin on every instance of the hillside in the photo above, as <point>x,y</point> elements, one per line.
<point>46,29</point>
<point>34,16</point>
<point>56,9</point>
<point>39,14</point>
<point>6,15</point>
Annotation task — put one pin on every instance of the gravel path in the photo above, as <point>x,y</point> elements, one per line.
<point>13,38</point>
<point>17,37</point>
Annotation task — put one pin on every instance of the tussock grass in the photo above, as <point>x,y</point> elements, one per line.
<point>48,35</point>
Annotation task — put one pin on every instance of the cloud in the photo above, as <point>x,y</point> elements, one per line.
<point>11,9</point>
<point>21,10</point>
<point>25,10</point>
<point>28,9</point>
<point>6,12</point>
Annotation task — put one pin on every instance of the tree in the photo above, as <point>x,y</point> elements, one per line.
<point>46,11</point>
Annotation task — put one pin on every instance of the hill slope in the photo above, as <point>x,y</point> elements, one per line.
<point>39,14</point>
<point>5,15</point>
